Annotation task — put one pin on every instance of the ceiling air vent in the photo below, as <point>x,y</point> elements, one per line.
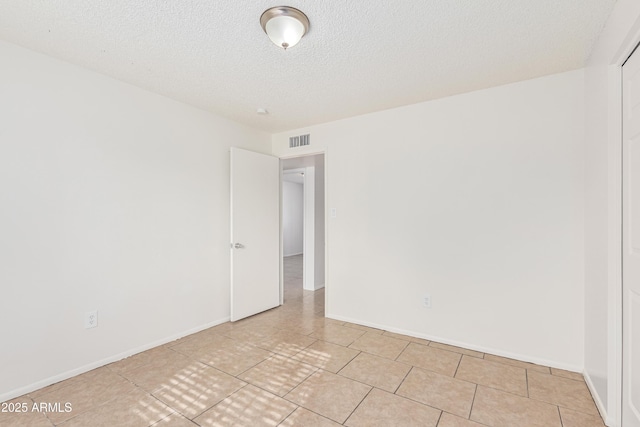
<point>299,141</point>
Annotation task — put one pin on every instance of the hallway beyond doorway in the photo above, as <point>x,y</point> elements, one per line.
<point>293,272</point>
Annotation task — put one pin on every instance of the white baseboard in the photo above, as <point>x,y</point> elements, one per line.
<point>288,255</point>
<point>482,349</point>
<point>609,421</point>
<point>97,364</point>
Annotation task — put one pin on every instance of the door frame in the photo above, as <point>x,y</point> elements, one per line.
<point>323,151</point>
<point>614,226</point>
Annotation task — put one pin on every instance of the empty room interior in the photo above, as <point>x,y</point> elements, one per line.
<point>363,213</point>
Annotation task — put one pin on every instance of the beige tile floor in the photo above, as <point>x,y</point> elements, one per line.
<point>291,366</point>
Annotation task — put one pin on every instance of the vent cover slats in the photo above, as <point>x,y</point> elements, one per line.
<point>299,141</point>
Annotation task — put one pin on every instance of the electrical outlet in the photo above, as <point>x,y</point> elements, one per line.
<point>91,319</point>
<point>426,301</point>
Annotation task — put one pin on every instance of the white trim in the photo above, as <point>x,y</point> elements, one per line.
<point>309,229</point>
<point>326,230</point>
<point>281,252</point>
<point>613,414</point>
<point>613,408</point>
<point>93,365</point>
<point>482,349</point>
<point>608,420</point>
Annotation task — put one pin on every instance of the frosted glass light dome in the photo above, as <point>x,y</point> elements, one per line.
<point>284,25</point>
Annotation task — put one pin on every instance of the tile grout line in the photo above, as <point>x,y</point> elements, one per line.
<point>473,401</point>
<point>503,391</point>
<point>537,400</point>
<point>163,418</point>
<point>315,369</point>
<point>358,405</point>
<point>309,409</point>
<point>403,350</point>
<point>104,402</point>
<point>439,417</point>
<point>597,414</point>
<point>421,403</point>
<point>347,364</point>
<point>403,380</point>
<point>288,416</point>
<point>566,378</point>
<point>458,366</point>
<point>357,381</point>
<point>560,416</point>
<point>217,403</point>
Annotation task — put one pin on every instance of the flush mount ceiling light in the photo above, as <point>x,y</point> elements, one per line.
<point>284,25</point>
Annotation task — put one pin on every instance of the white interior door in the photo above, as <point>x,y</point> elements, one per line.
<point>631,243</point>
<point>255,233</point>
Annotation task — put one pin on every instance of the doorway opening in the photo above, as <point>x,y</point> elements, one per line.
<point>303,228</point>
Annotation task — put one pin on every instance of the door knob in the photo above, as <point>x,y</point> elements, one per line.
<point>238,246</point>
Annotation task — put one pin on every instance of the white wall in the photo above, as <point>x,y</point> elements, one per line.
<point>476,199</point>
<point>602,203</point>
<point>115,199</point>
<point>292,218</point>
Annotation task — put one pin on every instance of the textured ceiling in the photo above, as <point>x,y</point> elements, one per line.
<point>359,55</point>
